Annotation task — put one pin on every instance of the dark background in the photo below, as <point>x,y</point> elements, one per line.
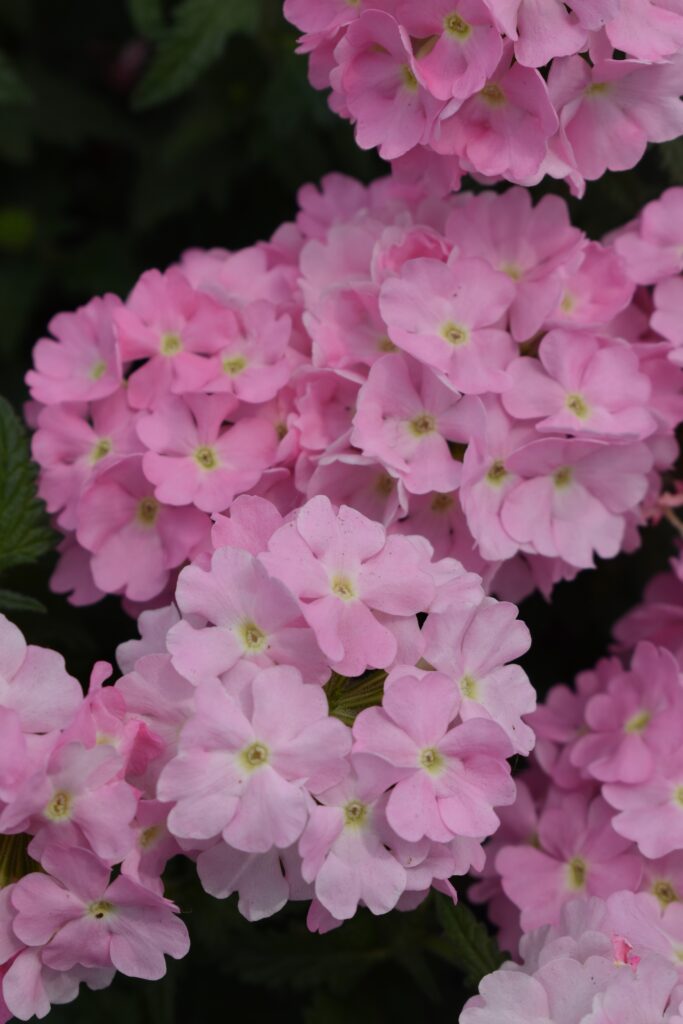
<point>130,131</point>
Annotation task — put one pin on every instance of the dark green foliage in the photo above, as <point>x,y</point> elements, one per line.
<point>130,130</point>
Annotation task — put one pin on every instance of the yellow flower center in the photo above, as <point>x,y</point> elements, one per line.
<point>455,334</point>
<point>386,345</point>
<point>147,512</point>
<point>468,687</point>
<point>170,344</point>
<point>562,477</point>
<point>493,95</point>
<point>59,807</point>
<point>457,26</point>
<point>255,756</point>
<point>678,795</point>
<point>206,457</point>
<point>101,449</point>
<point>253,638</point>
<point>638,722</point>
<point>233,365</point>
<point>342,587</point>
<point>98,371</point>
<point>665,892</point>
<point>576,404</point>
<point>149,836</point>
<point>431,760</point>
<point>512,270</point>
<point>497,472</point>
<point>423,424</point>
<point>100,909</point>
<point>576,872</point>
<point>385,485</point>
<point>355,813</point>
<point>598,88</point>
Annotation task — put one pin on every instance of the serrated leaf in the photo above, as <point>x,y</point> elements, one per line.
<point>474,951</point>
<point>25,534</point>
<point>11,601</point>
<point>191,44</point>
<point>147,17</point>
<point>13,90</point>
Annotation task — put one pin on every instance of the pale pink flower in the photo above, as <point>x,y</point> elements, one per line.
<point>194,458</point>
<point>448,316</point>
<point>84,363</point>
<point>349,578</point>
<point>242,776</point>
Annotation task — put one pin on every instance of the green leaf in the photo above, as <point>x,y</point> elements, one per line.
<point>11,601</point>
<point>12,89</point>
<point>147,17</point>
<point>191,44</point>
<point>25,534</point>
<point>348,697</point>
<point>473,949</point>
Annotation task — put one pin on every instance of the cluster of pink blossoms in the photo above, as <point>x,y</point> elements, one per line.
<point>234,736</point>
<point>511,89</point>
<point>601,809</point>
<point>605,962</point>
<point>470,369</point>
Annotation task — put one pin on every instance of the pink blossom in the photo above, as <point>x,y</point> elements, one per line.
<point>634,721</point>
<point>573,496</point>
<point>135,541</point>
<point>253,363</point>
<point>647,29</point>
<point>610,112</point>
<point>578,852</point>
<point>652,248</point>
<point>77,917</point>
<point>342,848</point>
<point>34,683</point>
<point>464,47</point>
<point>472,647</point>
<point>651,813</point>
<point>448,315</point>
<point>263,881</point>
<point>405,417</point>
<point>504,128</point>
<point>349,578</point>
<point>167,322</point>
<point>571,389</point>
<point>666,319</point>
<point>78,799</point>
<point>241,774</point>
<point>84,363</point>
<point>249,615</point>
<point>193,459</point>
<point>448,778</point>
<point>375,71</point>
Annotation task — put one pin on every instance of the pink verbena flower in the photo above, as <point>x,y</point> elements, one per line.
<point>464,46</point>
<point>194,458</point>
<point>449,776</point>
<point>349,578</point>
<point>376,76</point>
<point>651,813</point>
<point>240,772</point>
<point>249,616</point>
<point>77,917</point>
<point>578,852</point>
<point>571,388</point>
<point>342,848</point>
<point>135,541</point>
<point>84,363</point>
<point>405,416</point>
<point>34,683</point>
<point>472,645</point>
<point>167,322</point>
<point>652,248</point>
<point>447,315</point>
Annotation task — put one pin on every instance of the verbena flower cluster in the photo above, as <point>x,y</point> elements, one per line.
<point>289,723</point>
<point>601,809</point>
<point>472,369</point>
<point>603,963</point>
<point>512,89</point>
